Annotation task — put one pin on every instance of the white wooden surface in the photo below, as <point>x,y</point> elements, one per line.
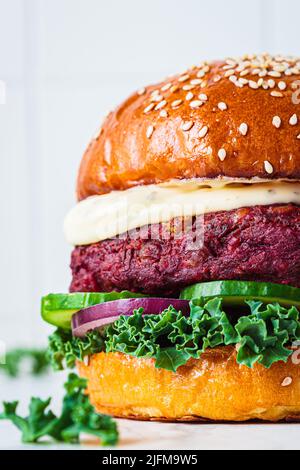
<point>65,63</point>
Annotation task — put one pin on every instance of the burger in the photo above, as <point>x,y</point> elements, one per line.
<point>185,289</point>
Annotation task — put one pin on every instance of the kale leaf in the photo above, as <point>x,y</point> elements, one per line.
<point>16,359</point>
<point>64,349</point>
<point>77,417</point>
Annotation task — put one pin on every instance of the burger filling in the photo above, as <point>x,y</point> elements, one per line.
<point>167,271</point>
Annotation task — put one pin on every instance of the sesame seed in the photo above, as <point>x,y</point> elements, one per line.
<point>276,122</point>
<point>228,67</point>
<point>141,92</point>
<point>196,104</point>
<point>298,136</point>
<point>176,103</point>
<point>196,81</point>
<point>295,70</point>
<point>260,82</point>
<point>203,97</point>
<point>233,78</point>
<point>276,94</point>
<point>156,98</point>
<point>163,113</point>
<point>183,78</point>
<point>279,68</point>
<point>186,126</point>
<point>268,167</point>
<point>205,68</point>
<point>275,74</point>
<point>203,132</point>
<point>174,88</point>
<point>149,108</point>
<point>222,106</point>
<point>166,87</point>
<point>160,105</point>
<point>282,86</point>
<point>287,382</point>
<point>243,129</point>
<point>189,96</point>
<point>217,78</point>
<point>238,84</point>
<point>271,83</point>
<point>222,154</point>
<point>229,73</point>
<point>204,84</point>
<point>149,131</point>
<point>201,74</point>
<point>294,120</point>
<point>244,73</point>
<point>188,87</point>
<point>241,67</point>
<point>253,85</point>
<point>86,360</point>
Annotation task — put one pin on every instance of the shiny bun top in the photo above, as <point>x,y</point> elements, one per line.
<point>239,118</point>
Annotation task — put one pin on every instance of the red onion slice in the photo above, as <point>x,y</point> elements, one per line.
<point>95,317</point>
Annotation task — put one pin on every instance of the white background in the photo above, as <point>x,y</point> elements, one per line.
<point>65,64</point>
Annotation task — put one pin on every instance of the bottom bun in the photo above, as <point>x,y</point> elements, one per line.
<point>214,388</point>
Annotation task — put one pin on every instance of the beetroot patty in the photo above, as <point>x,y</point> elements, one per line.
<point>261,243</point>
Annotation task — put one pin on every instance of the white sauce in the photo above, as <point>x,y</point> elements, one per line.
<point>106,216</point>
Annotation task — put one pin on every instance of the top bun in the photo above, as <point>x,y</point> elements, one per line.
<point>234,119</point>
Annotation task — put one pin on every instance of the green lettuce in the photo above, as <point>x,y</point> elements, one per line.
<point>77,417</point>
<point>262,334</point>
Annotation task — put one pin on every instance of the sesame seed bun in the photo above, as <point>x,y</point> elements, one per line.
<point>214,388</point>
<point>233,119</point>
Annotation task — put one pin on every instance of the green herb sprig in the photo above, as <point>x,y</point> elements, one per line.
<point>77,416</point>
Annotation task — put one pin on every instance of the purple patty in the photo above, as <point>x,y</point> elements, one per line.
<point>260,243</point>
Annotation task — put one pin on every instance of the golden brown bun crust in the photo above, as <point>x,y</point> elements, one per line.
<point>123,155</point>
<point>214,387</point>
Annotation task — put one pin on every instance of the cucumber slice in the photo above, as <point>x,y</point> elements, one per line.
<point>58,309</point>
<point>236,292</point>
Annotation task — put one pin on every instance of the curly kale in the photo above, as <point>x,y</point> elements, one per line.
<point>262,335</point>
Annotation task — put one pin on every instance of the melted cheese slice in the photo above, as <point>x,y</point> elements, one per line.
<point>109,215</point>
